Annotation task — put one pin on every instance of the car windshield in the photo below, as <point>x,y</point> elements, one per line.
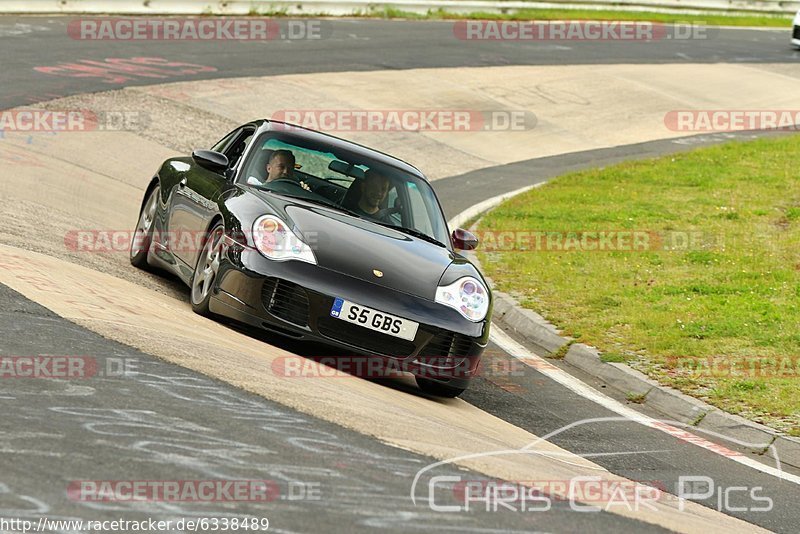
<point>352,183</point>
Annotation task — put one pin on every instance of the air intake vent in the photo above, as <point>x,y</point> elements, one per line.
<point>446,349</point>
<point>286,300</point>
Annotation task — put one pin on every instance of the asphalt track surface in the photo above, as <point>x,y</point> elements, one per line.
<point>176,424</point>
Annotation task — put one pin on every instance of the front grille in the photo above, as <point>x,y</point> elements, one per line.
<point>286,300</point>
<point>439,346</point>
<point>796,32</point>
<point>367,340</point>
<point>446,349</point>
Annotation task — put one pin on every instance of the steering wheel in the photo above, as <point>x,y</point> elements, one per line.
<point>291,181</point>
<point>389,211</point>
<point>397,208</point>
<point>287,181</point>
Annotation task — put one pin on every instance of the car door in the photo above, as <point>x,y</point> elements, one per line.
<point>195,198</point>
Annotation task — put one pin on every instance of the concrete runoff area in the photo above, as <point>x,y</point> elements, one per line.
<point>89,189</point>
<point>570,115</point>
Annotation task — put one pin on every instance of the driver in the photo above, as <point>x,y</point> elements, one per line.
<point>280,165</point>
<point>374,189</point>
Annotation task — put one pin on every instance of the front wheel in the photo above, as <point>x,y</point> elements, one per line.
<point>143,235</point>
<point>437,389</point>
<point>205,272</point>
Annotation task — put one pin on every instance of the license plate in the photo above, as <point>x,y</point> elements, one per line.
<point>374,319</point>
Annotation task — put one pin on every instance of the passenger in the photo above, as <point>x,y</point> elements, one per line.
<point>374,189</point>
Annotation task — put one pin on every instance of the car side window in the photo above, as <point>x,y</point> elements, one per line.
<point>223,143</point>
<point>235,150</point>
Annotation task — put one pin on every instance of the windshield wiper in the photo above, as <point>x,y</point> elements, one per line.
<point>318,201</point>
<point>411,231</point>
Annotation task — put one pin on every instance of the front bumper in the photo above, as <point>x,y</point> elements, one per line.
<point>295,298</point>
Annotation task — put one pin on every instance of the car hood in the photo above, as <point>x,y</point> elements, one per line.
<point>370,252</point>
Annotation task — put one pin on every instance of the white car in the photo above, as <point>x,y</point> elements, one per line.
<point>796,30</point>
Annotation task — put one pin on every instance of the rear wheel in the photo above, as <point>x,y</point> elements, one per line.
<point>143,235</point>
<point>437,389</point>
<point>205,272</point>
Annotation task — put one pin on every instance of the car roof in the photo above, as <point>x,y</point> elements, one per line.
<point>337,142</point>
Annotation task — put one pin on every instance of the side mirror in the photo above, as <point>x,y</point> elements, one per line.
<point>463,240</point>
<point>213,161</point>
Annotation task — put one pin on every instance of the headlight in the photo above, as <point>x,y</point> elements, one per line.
<point>277,242</point>
<point>467,295</point>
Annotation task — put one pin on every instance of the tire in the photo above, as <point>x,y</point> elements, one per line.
<point>143,234</point>
<point>437,389</point>
<point>206,270</point>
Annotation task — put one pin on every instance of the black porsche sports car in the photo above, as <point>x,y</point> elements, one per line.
<point>317,238</point>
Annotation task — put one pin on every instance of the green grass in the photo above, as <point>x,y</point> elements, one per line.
<point>776,21</point>
<point>637,398</point>
<point>730,295</point>
<point>562,351</point>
